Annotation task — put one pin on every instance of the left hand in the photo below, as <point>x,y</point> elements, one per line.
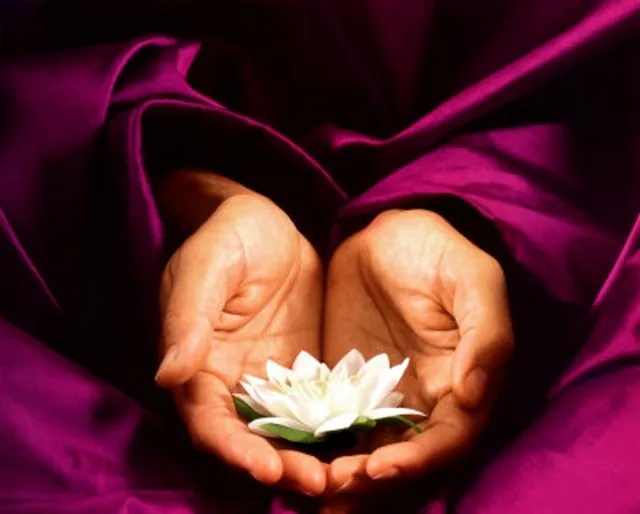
<point>410,285</point>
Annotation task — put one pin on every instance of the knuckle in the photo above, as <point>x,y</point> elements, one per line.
<point>492,268</point>
<point>377,235</point>
<point>386,217</point>
<point>379,229</point>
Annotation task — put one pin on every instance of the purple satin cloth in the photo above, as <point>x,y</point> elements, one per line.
<point>519,121</point>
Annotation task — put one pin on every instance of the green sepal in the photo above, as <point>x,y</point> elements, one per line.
<point>363,422</point>
<point>405,421</point>
<point>245,410</point>
<point>291,434</point>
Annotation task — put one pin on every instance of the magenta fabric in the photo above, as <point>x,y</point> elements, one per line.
<point>518,121</point>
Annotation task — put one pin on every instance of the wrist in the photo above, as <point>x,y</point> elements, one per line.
<point>187,198</point>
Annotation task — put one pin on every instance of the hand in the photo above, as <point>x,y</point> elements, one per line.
<point>244,288</point>
<point>411,286</point>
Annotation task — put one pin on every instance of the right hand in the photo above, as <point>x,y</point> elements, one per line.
<point>244,288</point>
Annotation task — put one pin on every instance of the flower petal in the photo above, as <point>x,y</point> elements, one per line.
<point>349,365</point>
<point>398,371</point>
<point>277,373</point>
<point>310,413</point>
<point>377,366</point>
<point>276,403</point>
<point>259,395</point>
<point>343,396</point>
<point>384,385</point>
<point>256,424</point>
<point>253,404</point>
<point>392,400</point>
<point>390,412</point>
<point>254,381</point>
<point>251,392</point>
<point>306,366</point>
<point>325,372</point>
<point>365,388</point>
<point>339,422</point>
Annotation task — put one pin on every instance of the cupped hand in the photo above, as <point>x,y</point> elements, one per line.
<point>410,285</point>
<point>244,288</point>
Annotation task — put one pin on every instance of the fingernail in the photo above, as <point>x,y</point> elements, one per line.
<point>476,385</point>
<point>386,475</point>
<point>170,356</point>
<point>345,486</point>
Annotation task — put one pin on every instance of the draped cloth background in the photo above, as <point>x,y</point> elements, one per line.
<point>519,121</point>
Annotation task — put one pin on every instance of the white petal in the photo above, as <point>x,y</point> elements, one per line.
<point>336,423</point>
<point>251,391</point>
<point>325,372</point>
<point>349,365</point>
<point>250,379</point>
<point>376,394</point>
<point>398,371</point>
<point>377,366</point>
<point>392,400</point>
<point>276,403</point>
<point>271,402</point>
<point>372,374</point>
<point>342,396</point>
<point>311,414</point>
<point>388,413</point>
<point>253,404</point>
<point>306,366</point>
<point>277,373</point>
<point>365,388</point>
<point>385,385</point>
<point>256,425</point>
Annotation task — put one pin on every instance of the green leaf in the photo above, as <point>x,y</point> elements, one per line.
<point>245,410</point>
<point>406,421</point>
<point>291,434</point>
<point>363,422</point>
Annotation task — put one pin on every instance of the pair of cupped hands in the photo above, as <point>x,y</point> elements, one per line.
<point>246,286</point>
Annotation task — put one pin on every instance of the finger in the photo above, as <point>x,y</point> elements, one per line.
<point>207,409</point>
<point>481,309</point>
<point>303,473</point>
<point>347,474</point>
<point>448,435</point>
<point>199,280</point>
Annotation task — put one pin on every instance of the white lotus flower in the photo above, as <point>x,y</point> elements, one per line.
<point>312,399</point>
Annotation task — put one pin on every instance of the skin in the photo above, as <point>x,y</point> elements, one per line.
<point>412,286</point>
<point>246,286</point>
<point>243,288</point>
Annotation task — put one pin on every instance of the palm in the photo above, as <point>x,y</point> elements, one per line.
<point>274,311</point>
<point>374,325</point>
<point>378,314</point>
<point>411,286</point>
<point>245,288</point>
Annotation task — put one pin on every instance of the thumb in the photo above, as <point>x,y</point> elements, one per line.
<point>195,288</point>
<point>486,337</point>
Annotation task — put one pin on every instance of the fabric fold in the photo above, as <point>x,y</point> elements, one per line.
<point>519,123</point>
